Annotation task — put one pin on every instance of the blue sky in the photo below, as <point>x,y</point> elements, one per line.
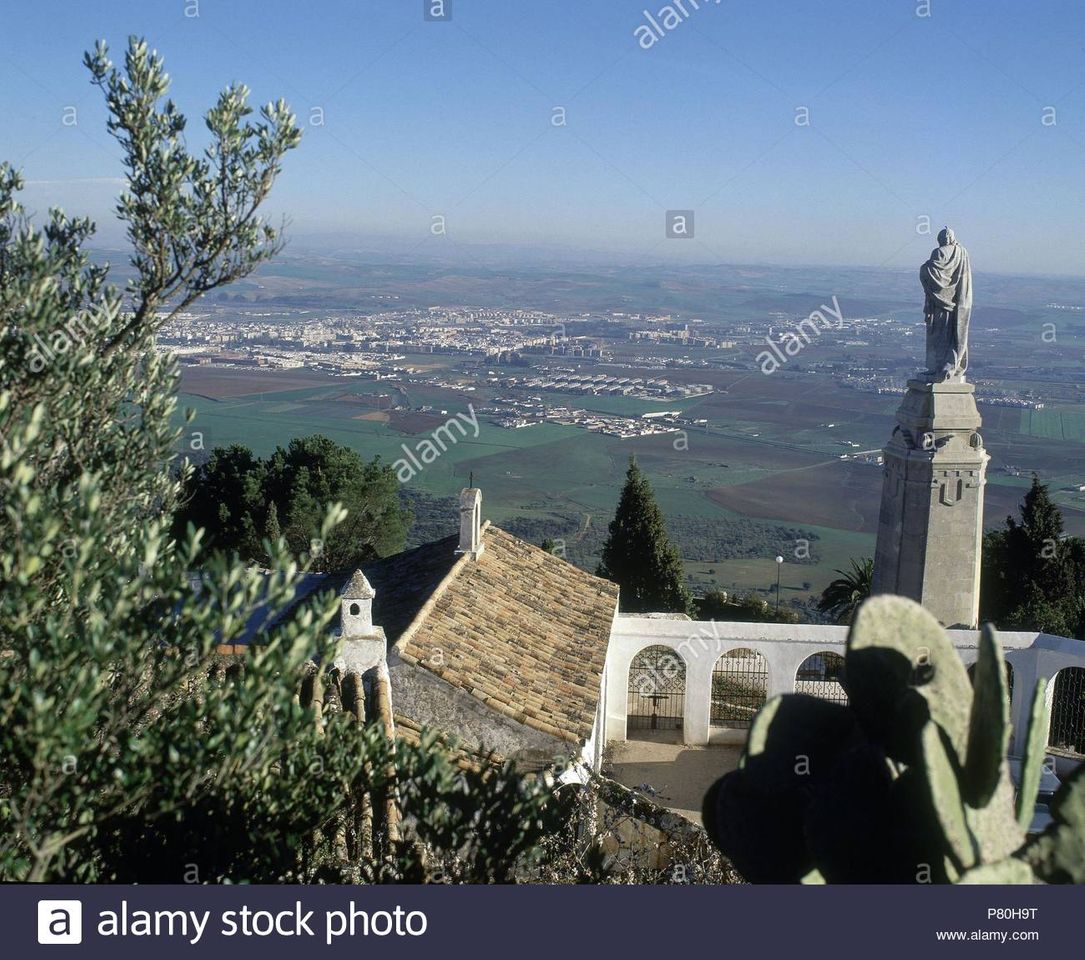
<point>909,117</point>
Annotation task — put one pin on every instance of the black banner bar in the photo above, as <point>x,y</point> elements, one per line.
<point>526,922</point>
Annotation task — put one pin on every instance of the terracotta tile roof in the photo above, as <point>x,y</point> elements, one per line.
<point>521,630</point>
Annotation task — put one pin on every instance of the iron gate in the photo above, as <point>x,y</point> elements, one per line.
<point>657,690</point>
<point>740,680</point>
<point>819,675</point>
<point>1067,731</point>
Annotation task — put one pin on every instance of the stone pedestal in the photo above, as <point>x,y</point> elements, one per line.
<point>931,524</point>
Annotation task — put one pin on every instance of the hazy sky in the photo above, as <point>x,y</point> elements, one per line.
<point>940,116</point>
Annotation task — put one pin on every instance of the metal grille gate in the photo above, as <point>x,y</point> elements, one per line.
<point>739,683</point>
<point>657,690</point>
<point>819,675</point>
<point>1067,731</point>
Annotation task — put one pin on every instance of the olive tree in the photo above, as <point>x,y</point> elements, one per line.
<point>124,755</point>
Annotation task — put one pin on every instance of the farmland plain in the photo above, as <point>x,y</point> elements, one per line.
<point>763,476</point>
<point>773,464</point>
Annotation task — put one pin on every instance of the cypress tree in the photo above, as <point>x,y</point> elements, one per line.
<point>639,555</point>
<point>1032,573</point>
<point>271,528</point>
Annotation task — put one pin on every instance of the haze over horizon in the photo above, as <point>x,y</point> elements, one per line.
<point>407,120</point>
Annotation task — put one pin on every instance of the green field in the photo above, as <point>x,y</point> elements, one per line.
<point>765,470</point>
<point>1056,423</point>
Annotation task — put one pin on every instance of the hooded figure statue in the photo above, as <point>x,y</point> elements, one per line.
<point>947,308</point>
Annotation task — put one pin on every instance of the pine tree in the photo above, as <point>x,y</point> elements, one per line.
<point>232,496</point>
<point>638,554</point>
<point>224,496</point>
<point>312,473</point>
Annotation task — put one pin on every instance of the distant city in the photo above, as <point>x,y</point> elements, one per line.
<point>378,347</point>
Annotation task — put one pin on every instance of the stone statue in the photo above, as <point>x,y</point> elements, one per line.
<point>947,308</point>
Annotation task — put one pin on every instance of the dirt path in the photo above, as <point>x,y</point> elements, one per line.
<point>673,774</point>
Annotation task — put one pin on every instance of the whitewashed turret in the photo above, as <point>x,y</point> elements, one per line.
<point>364,643</point>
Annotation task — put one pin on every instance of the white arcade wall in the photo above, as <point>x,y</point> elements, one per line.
<point>785,646</point>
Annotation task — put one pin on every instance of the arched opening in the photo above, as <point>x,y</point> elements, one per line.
<point>1067,730</point>
<point>1009,677</point>
<point>740,681</point>
<point>657,694</point>
<point>820,675</point>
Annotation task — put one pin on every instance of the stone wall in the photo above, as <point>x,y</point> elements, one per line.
<point>432,702</point>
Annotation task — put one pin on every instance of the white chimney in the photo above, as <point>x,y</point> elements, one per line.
<point>471,522</point>
<point>364,644</point>
<point>356,607</point>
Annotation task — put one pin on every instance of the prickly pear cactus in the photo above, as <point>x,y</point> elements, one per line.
<point>1058,855</point>
<point>908,783</point>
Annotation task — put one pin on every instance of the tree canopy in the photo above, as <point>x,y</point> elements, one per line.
<point>242,502</point>
<point>842,597</point>
<point>639,556</point>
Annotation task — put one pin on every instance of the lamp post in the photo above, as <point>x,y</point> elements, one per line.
<point>779,567</point>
